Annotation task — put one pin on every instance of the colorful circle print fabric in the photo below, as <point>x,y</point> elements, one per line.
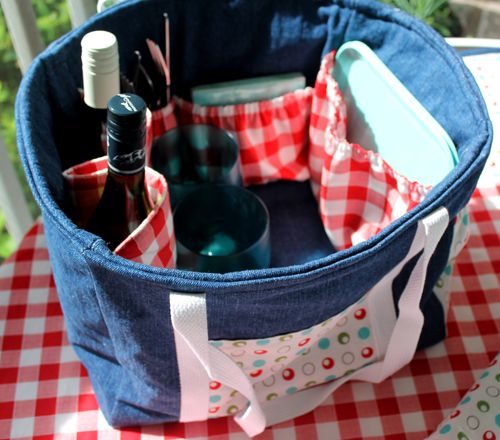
<point>285,364</point>
<point>477,416</point>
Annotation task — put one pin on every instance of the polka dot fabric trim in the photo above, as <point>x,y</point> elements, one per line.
<point>477,416</point>
<point>285,364</point>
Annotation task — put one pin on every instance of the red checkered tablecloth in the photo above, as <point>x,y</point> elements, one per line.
<point>45,392</point>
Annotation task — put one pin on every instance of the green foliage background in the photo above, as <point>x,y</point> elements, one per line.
<point>53,21</point>
<point>436,13</point>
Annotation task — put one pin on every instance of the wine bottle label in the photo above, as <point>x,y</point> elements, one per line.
<point>126,163</point>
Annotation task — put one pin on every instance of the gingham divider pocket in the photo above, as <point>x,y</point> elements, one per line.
<point>159,122</point>
<point>328,112</point>
<point>360,193</point>
<point>271,134</point>
<point>153,242</point>
<point>279,139</point>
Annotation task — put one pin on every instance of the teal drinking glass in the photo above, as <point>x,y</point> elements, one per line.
<point>192,155</point>
<point>222,228</point>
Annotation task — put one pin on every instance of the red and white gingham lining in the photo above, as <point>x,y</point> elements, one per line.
<point>360,193</point>
<point>328,111</point>
<point>159,122</point>
<point>153,242</point>
<point>84,184</point>
<point>272,134</point>
<point>279,139</point>
<point>297,136</point>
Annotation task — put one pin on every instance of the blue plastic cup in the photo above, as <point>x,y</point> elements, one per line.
<point>222,228</point>
<point>193,155</point>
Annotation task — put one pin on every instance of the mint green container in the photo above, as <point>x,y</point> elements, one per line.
<point>383,116</point>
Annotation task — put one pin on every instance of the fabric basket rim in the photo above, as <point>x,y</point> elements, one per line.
<point>95,250</point>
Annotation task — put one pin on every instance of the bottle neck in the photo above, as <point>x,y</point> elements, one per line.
<point>127,163</point>
<point>134,182</point>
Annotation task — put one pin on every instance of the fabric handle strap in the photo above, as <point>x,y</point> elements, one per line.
<point>199,362</point>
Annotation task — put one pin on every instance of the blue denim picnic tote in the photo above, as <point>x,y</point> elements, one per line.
<point>263,345</point>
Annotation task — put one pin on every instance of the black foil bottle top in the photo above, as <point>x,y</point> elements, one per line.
<point>126,131</point>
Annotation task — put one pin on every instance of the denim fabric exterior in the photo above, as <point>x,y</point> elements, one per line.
<point>117,312</point>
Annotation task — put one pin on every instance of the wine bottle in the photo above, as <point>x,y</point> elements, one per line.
<point>124,203</point>
<point>101,81</point>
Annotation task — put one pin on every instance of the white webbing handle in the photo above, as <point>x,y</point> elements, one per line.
<point>199,363</point>
<point>188,314</point>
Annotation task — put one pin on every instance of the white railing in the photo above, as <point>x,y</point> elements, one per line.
<point>27,41</point>
<point>473,43</point>
<point>12,202</point>
<point>81,10</point>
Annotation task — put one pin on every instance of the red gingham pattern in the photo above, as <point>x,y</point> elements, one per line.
<point>328,113</point>
<point>360,193</point>
<point>159,122</point>
<point>272,134</point>
<point>45,392</point>
<point>163,120</point>
<point>153,242</point>
<point>85,183</point>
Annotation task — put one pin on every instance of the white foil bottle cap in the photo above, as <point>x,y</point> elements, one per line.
<point>100,68</point>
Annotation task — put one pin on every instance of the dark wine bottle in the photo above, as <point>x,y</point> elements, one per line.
<point>101,81</point>
<point>124,203</point>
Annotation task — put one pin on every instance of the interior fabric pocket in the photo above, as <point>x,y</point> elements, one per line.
<point>328,111</point>
<point>271,134</point>
<point>84,185</point>
<point>153,242</point>
<point>360,193</point>
<point>157,123</point>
